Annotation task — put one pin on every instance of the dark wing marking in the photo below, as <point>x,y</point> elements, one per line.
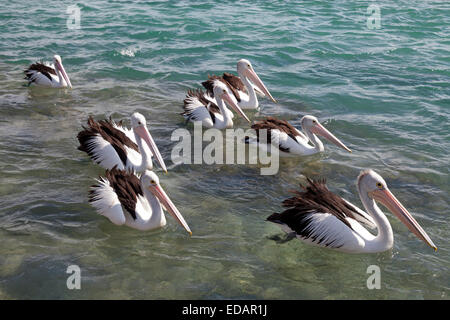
<point>303,224</point>
<point>314,199</point>
<point>317,198</point>
<point>41,68</point>
<point>283,126</point>
<point>108,132</point>
<point>272,123</point>
<point>209,86</point>
<point>235,81</point>
<point>127,187</point>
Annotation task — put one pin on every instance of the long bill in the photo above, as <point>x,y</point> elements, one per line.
<point>146,136</point>
<point>320,129</point>
<point>169,206</point>
<point>226,97</point>
<point>385,197</point>
<point>257,81</point>
<point>63,73</point>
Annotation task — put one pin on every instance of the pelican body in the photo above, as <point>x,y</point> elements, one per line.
<point>48,75</point>
<point>290,141</point>
<point>211,115</point>
<point>243,88</point>
<point>321,218</point>
<point>138,203</point>
<point>109,144</point>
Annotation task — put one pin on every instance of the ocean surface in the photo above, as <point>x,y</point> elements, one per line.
<point>384,92</point>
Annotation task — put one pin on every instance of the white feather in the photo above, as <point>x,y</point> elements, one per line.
<point>332,231</point>
<point>195,111</point>
<point>104,153</point>
<point>106,202</point>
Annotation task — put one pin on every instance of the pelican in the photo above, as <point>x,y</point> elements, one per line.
<point>319,217</point>
<point>110,144</point>
<point>289,140</point>
<point>198,109</point>
<point>48,75</point>
<point>143,200</point>
<point>243,88</point>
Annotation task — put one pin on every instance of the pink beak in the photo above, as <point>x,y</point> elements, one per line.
<point>142,131</point>
<point>169,206</point>
<point>226,97</point>
<point>63,73</point>
<point>320,130</point>
<point>385,197</point>
<point>257,81</point>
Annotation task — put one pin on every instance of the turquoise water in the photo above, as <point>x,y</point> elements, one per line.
<point>384,92</point>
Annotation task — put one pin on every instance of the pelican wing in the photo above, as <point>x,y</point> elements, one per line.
<point>119,188</point>
<point>235,82</point>
<point>316,197</point>
<point>105,144</point>
<point>279,130</point>
<point>320,217</point>
<point>41,73</point>
<point>209,85</point>
<point>197,108</point>
<point>315,227</point>
<point>119,126</point>
<point>105,200</point>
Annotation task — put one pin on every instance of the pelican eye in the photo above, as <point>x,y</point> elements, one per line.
<point>379,185</point>
<point>314,121</point>
<point>153,182</point>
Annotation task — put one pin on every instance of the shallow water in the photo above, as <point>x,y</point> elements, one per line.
<point>384,92</point>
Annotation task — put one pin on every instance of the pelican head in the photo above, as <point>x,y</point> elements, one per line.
<point>150,181</point>
<point>139,124</point>
<point>311,124</point>
<point>245,69</point>
<point>58,65</point>
<point>243,65</point>
<point>221,92</point>
<point>375,187</point>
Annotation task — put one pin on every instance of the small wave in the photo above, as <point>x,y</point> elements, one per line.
<point>129,52</point>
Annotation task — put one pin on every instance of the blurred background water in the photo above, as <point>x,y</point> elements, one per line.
<point>384,92</point>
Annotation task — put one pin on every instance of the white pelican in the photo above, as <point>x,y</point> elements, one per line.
<point>243,88</point>
<point>319,217</point>
<point>198,109</point>
<point>289,140</point>
<point>143,200</point>
<point>48,75</point>
<point>109,144</point>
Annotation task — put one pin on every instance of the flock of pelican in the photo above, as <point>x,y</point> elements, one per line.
<point>130,193</point>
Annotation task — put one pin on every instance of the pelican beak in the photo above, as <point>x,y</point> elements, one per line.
<point>385,197</point>
<point>63,73</point>
<point>320,130</point>
<point>257,81</point>
<point>143,132</point>
<point>226,97</point>
<point>169,206</point>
